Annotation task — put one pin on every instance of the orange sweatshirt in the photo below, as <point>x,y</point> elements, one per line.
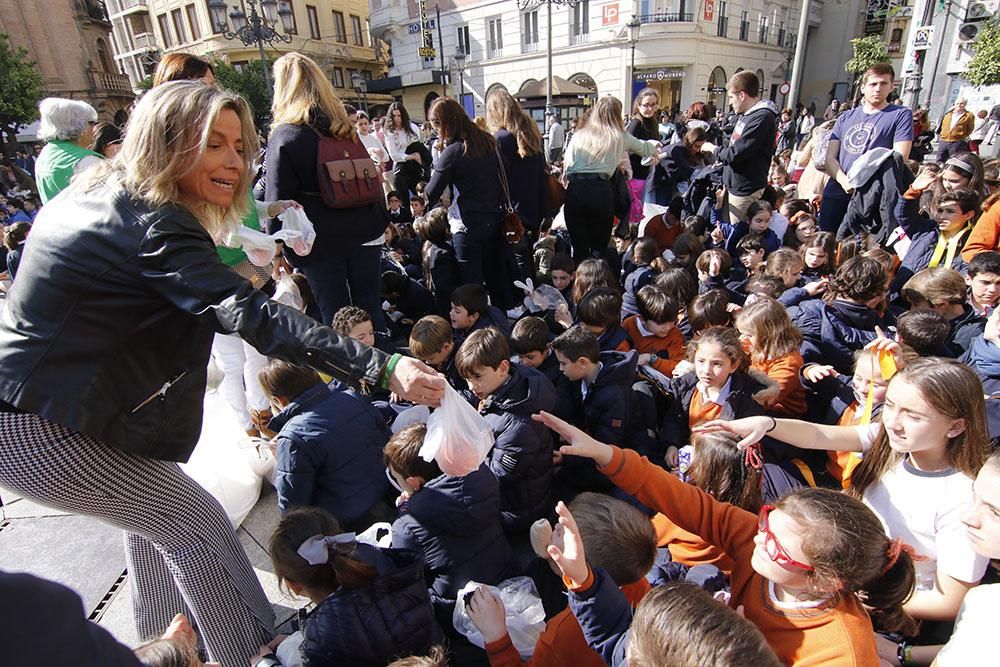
<point>838,633</point>
<point>664,236</point>
<point>687,548</point>
<point>985,236</point>
<point>672,344</point>
<point>561,643</point>
<point>791,400</point>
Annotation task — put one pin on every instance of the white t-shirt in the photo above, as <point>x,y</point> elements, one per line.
<point>972,640</point>
<point>923,509</point>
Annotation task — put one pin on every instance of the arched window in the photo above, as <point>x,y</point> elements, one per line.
<point>717,88</point>
<point>585,80</point>
<point>104,57</point>
<point>431,96</point>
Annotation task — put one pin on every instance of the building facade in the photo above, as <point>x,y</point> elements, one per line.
<point>70,41</point>
<point>332,32</point>
<point>686,50</point>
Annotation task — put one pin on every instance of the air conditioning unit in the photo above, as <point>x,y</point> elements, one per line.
<point>980,10</point>
<point>968,33</point>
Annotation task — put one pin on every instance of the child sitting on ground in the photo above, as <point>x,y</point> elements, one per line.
<point>471,311</point>
<point>440,265</point>
<point>619,540</point>
<point>432,342</point>
<point>983,280</point>
<point>328,449</point>
<point>371,603</point>
<point>600,312</point>
<point>454,522</point>
<point>509,394</point>
<point>530,342</point>
<point>653,332</point>
<point>945,291</point>
<point>644,252</point>
<point>772,342</point>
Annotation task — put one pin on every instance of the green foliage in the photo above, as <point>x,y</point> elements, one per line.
<point>868,51</point>
<point>984,68</point>
<point>22,87</point>
<point>145,84</point>
<point>248,81</point>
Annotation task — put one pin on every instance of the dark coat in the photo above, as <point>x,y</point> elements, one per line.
<point>612,337</point>
<point>521,457</point>
<point>329,454</point>
<point>110,324</point>
<point>748,158</point>
<point>605,616</point>
<point>964,329</point>
<point>635,281</point>
<point>984,358</point>
<point>923,234</point>
<point>526,177</point>
<point>455,523</point>
<point>370,626</point>
<point>873,205</point>
<point>441,275</point>
<point>565,396</point>
<point>493,317</point>
<point>611,412</point>
<point>832,332</point>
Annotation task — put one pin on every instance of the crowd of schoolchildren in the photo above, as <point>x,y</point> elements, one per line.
<point>729,413</point>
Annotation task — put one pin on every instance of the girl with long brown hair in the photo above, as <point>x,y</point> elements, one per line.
<point>644,127</point>
<point>520,144</point>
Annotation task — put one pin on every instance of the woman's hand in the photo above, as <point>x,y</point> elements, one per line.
<point>417,382</point>
<point>672,457</point>
<point>580,444</point>
<point>279,267</point>
<point>276,208</point>
<point>750,429</point>
<point>487,613</point>
<point>571,559</point>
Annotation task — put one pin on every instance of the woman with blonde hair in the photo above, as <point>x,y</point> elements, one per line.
<point>343,267</point>
<point>591,160</point>
<point>104,354</point>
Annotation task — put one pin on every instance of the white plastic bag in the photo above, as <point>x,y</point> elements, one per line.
<point>458,437</point>
<point>258,246</point>
<point>287,293</point>
<point>523,611</point>
<point>543,297</point>
<point>294,220</point>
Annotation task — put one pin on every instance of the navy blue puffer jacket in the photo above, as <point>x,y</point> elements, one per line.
<point>521,457</point>
<point>370,626</point>
<point>831,332</point>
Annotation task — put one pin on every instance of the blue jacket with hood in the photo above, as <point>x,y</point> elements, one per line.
<point>832,332</point>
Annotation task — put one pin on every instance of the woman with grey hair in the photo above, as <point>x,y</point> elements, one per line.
<point>68,127</point>
<point>104,345</point>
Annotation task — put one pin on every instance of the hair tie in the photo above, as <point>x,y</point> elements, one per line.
<point>316,550</point>
<point>752,457</point>
<point>896,547</point>
<point>960,161</point>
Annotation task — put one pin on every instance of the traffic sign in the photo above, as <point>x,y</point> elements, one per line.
<point>785,88</point>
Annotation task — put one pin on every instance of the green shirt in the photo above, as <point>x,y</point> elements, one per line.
<point>56,166</point>
<point>233,256</point>
<point>578,162</point>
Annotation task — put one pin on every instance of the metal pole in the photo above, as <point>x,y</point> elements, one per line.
<point>437,12</point>
<point>938,41</point>
<point>548,59</point>
<point>263,65</point>
<point>800,54</point>
<point>461,86</point>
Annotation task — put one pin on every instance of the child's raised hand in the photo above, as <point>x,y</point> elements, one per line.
<point>883,343</point>
<point>817,372</point>
<point>571,559</point>
<point>487,613</point>
<point>750,429</point>
<point>817,287</point>
<point>580,444</point>
<point>563,316</point>
<point>714,265</point>
<point>924,180</point>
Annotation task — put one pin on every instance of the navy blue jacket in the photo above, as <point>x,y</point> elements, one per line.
<point>441,275</point>
<point>831,333</point>
<point>611,338</point>
<point>635,281</point>
<point>521,457</point>
<point>455,523</point>
<point>329,453</point>
<point>923,234</point>
<point>610,410</point>
<point>676,429</point>
<point>493,317</point>
<point>984,358</point>
<point>566,397</point>
<point>370,626</point>
<point>604,615</point>
<point>964,329</point>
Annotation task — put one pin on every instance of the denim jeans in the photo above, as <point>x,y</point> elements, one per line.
<point>347,276</point>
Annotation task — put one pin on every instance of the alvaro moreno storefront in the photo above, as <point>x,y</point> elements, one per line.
<point>667,81</point>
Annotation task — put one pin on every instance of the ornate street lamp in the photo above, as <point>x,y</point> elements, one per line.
<point>255,28</point>
<point>525,5</point>
<point>360,84</point>
<point>633,39</point>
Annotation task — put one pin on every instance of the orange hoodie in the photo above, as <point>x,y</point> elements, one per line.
<point>672,344</point>
<point>985,236</point>
<point>836,633</point>
<point>791,400</point>
<point>687,548</point>
<point>562,643</point>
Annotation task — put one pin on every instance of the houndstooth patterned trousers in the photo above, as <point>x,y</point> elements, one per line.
<point>182,553</point>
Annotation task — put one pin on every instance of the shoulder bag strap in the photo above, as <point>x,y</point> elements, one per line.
<point>503,179</point>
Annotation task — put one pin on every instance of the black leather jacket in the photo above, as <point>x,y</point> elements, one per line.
<point>109,327</point>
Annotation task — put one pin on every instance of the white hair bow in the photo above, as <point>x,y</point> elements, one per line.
<point>316,550</point>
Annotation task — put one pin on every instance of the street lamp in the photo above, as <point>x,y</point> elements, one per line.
<point>360,84</point>
<point>255,29</point>
<point>633,38</point>
<point>525,5</point>
<point>460,64</point>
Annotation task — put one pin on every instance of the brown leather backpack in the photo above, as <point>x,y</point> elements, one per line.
<point>348,177</point>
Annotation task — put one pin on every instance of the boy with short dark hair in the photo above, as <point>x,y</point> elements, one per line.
<point>530,341</point>
<point>562,270</point>
<point>471,311</point>
<point>643,254</point>
<point>328,449</point>
<point>653,332</point>
<point>983,280</point>
<point>600,312</point>
<point>432,342</point>
<point>395,208</point>
<point>509,395</point>
<point>924,330</point>
<point>454,522</point>
<point>944,290</point>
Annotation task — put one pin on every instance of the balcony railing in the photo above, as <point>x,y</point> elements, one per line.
<point>128,5</point>
<point>494,51</point>
<point>530,47</point>
<point>744,30</point>
<point>580,38</point>
<point>110,82</point>
<point>667,17</point>
<point>723,30</point>
<point>893,47</point>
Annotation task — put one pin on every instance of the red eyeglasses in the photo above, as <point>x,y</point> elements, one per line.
<point>772,548</point>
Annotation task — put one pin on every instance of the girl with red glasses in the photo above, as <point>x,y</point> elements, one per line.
<point>800,567</point>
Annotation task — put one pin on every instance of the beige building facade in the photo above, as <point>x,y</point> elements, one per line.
<point>332,32</point>
<point>70,40</point>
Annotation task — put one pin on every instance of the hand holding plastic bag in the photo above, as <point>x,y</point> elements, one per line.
<point>458,437</point>
<point>287,292</point>
<point>258,246</point>
<point>294,220</point>
<point>523,611</point>
<point>543,297</point>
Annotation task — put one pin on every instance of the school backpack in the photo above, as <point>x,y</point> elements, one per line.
<point>348,177</point>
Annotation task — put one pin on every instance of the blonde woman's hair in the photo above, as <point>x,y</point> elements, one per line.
<point>166,136</point>
<point>601,135</point>
<point>300,90</point>
<point>504,113</point>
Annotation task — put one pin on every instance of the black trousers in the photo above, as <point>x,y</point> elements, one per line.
<point>590,213</point>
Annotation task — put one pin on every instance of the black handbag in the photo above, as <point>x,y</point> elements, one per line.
<point>621,196</point>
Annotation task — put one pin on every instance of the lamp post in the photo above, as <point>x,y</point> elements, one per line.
<point>633,39</point>
<point>460,65</point>
<point>255,29</point>
<point>525,5</point>
<point>361,88</point>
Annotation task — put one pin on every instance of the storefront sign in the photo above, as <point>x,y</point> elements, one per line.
<point>609,14</point>
<point>709,9</point>
<point>414,28</point>
<point>660,74</point>
<point>427,48</point>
